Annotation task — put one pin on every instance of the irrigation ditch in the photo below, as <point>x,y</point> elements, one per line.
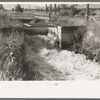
<point>47,52</point>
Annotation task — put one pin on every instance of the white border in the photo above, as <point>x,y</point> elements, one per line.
<point>48,89</point>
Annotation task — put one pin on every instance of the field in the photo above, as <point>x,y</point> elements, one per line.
<point>37,57</point>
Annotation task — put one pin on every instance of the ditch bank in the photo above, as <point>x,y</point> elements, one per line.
<point>11,54</point>
<point>37,57</point>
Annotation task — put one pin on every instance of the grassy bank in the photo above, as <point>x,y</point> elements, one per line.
<point>11,49</point>
<point>11,54</point>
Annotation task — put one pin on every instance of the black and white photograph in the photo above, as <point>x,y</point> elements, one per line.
<point>49,42</point>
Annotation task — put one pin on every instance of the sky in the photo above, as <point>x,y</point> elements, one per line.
<point>10,6</point>
<point>33,6</point>
<point>91,6</point>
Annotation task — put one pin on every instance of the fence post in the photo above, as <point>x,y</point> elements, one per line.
<point>46,8</point>
<point>55,9</point>
<point>50,13</point>
<point>29,9</point>
<point>49,16</point>
<point>50,8</point>
<point>87,14</point>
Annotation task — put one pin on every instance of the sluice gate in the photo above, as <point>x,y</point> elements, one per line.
<point>63,34</point>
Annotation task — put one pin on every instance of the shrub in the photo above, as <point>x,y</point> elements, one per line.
<point>78,36</point>
<point>69,11</point>
<point>87,42</point>
<point>18,8</point>
<point>11,54</point>
<point>91,42</point>
<point>6,21</point>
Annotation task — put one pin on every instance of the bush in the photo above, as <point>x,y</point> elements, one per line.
<point>11,54</point>
<point>82,12</point>
<point>78,36</point>
<point>69,11</point>
<point>87,42</point>
<point>91,42</point>
<point>18,8</point>
<point>6,21</point>
<point>65,12</point>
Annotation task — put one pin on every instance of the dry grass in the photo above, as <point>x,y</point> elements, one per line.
<point>11,55</point>
<point>91,42</point>
<point>67,21</point>
<point>6,21</point>
<point>11,49</point>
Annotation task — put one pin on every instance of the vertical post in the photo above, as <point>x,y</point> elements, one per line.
<point>46,8</point>
<point>49,17</point>
<point>29,8</point>
<point>87,13</point>
<point>50,8</point>
<point>50,12</point>
<point>55,8</point>
<point>36,7</point>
